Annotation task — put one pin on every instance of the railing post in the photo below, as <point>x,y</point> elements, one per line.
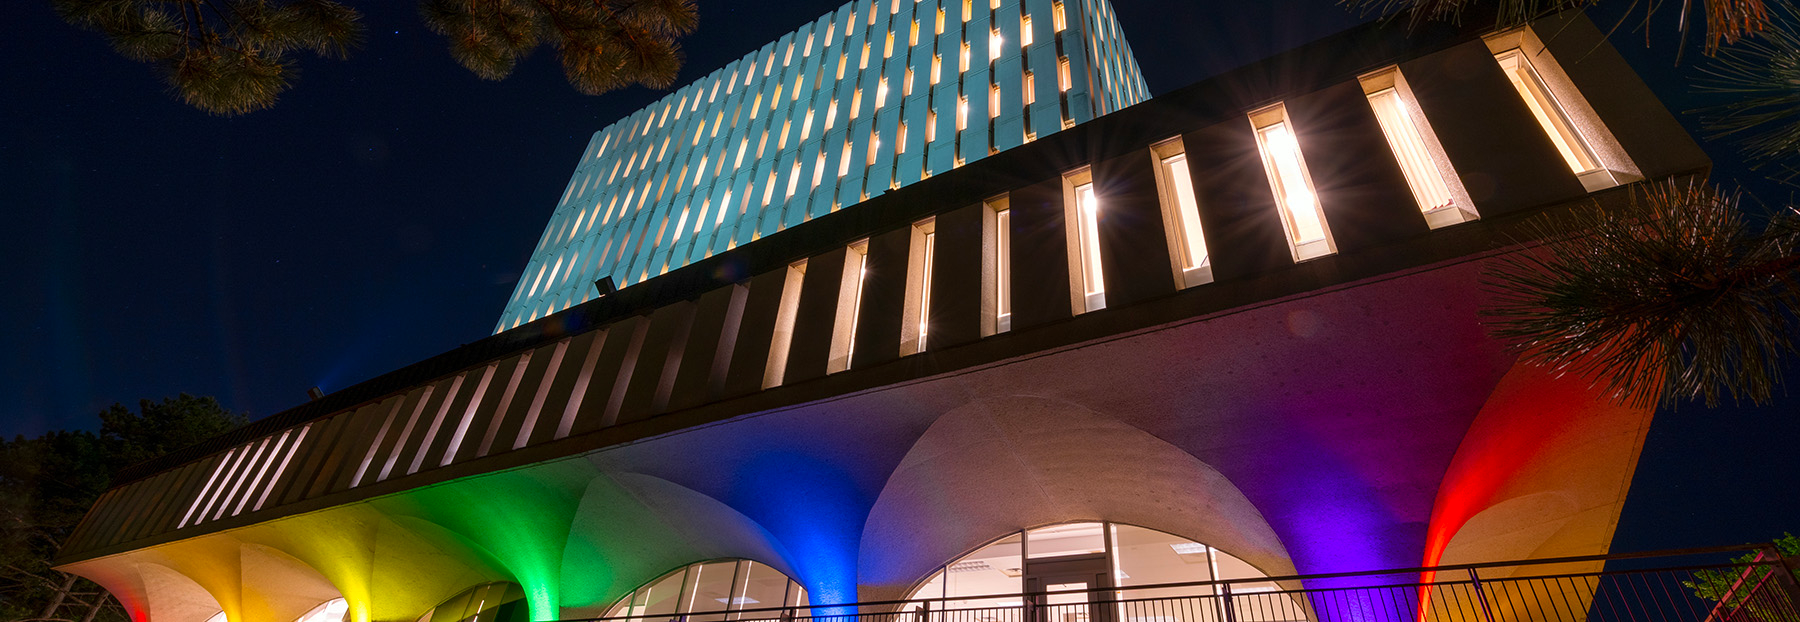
<point>1487,613</point>
<point>923,614</point>
<point>1786,576</point>
<point>1225,603</point>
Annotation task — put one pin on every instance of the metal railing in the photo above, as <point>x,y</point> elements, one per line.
<point>1601,588</point>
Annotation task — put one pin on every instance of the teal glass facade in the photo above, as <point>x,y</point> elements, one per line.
<point>870,97</point>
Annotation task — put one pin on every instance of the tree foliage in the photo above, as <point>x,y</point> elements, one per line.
<point>226,57</point>
<point>47,484</point>
<point>1762,78</point>
<point>603,44</point>
<point>1678,295</point>
<point>231,57</point>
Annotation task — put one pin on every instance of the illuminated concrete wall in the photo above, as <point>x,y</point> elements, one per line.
<point>873,96</point>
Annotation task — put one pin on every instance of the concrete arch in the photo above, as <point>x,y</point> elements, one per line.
<point>631,528</point>
<point>1005,463</point>
<point>149,592</point>
<point>278,587</point>
<point>1542,472</point>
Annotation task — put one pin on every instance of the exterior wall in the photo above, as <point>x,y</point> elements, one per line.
<point>760,145</point>
<point>1344,412</point>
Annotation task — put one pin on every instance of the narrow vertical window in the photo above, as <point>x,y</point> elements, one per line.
<point>1301,215</point>
<point>887,49</point>
<point>1024,30</point>
<point>1058,21</point>
<point>855,102</point>
<point>849,306</point>
<point>917,309</point>
<point>1030,96</point>
<point>906,85</point>
<point>963,63</point>
<point>900,138</point>
<point>968,10</point>
<point>940,20</point>
<point>937,67</point>
<point>1000,265</point>
<point>962,113</point>
<point>930,125</point>
<point>994,44</point>
<point>881,91</point>
<point>912,35</point>
<point>994,101</point>
<point>1428,173</point>
<point>844,162</point>
<point>1549,114</point>
<point>1181,215</point>
<point>874,145</point>
<point>784,325</point>
<point>1062,74</point>
<point>1081,214</point>
<point>819,169</point>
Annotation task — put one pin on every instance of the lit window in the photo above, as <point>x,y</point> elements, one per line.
<point>930,125</point>
<point>844,162</point>
<point>1181,215</point>
<point>739,584</point>
<point>881,90</point>
<point>874,145</point>
<point>849,306</point>
<point>793,180</point>
<point>900,138</point>
<point>819,169</point>
<point>887,49</point>
<point>843,59</point>
<point>994,43</point>
<point>993,101</point>
<point>940,20</point>
<point>1062,74</point>
<point>1301,215</point>
<point>1024,30</point>
<point>918,288</point>
<point>963,63</point>
<point>962,113</point>
<point>1002,263</point>
<point>912,37</point>
<point>1428,174</point>
<point>968,10</point>
<point>1057,20</point>
<point>855,102</point>
<point>784,325</point>
<point>864,63</point>
<point>1030,96</point>
<point>831,114</point>
<point>937,67</point>
<point>906,85</point>
<point>330,611</point>
<point>1082,211</point>
<point>806,126</point>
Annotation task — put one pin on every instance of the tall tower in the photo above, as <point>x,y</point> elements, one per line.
<point>870,97</point>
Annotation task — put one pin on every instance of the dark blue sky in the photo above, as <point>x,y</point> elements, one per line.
<point>381,212</point>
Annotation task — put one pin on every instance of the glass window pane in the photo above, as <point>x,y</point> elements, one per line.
<point>1065,540</point>
<point>1409,149</point>
<point>1149,557</point>
<point>711,588</point>
<point>662,597</point>
<point>761,587</point>
<point>993,570</point>
<point>1549,114</point>
<point>1193,250</point>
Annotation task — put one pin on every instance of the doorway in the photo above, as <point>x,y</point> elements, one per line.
<point>1065,575</point>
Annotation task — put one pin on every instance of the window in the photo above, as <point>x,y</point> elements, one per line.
<point>1135,557</point>
<point>1024,30</point>
<point>1087,281</point>
<point>940,20</point>
<point>1584,142</point>
<point>993,101</point>
<point>1428,173</point>
<point>994,44</point>
<point>784,325</point>
<point>930,125</point>
<point>715,587</point>
<point>1058,21</point>
<point>963,63</point>
<point>917,314</point>
<point>937,67</point>
<point>849,306</point>
<point>906,84</point>
<point>844,162</point>
<point>1181,215</point>
<point>1000,285</point>
<point>1301,215</point>
<point>962,113</point>
<point>887,49</point>
<point>900,138</point>
<point>1062,74</point>
<point>1030,96</point>
<point>881,91</point>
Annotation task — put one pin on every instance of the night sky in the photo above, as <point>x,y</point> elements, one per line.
<point>381,212</point>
